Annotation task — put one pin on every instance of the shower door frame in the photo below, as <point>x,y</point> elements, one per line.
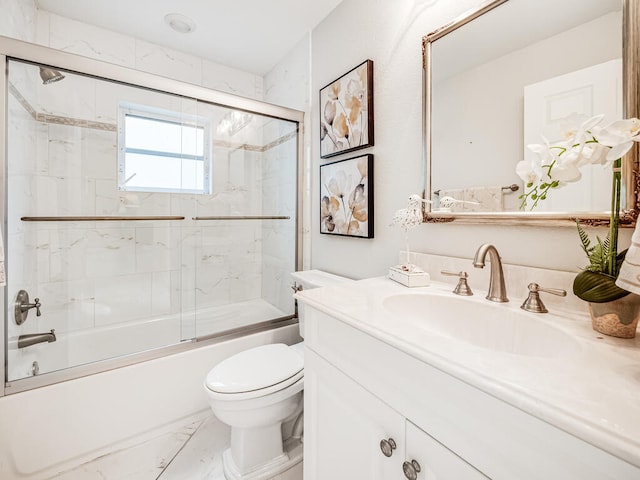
<point>29,52</point>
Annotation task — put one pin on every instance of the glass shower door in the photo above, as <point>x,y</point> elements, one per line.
<point>87,236</point>
<point>139,219</point>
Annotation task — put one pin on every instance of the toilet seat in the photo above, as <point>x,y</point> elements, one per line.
<point>256,372</point>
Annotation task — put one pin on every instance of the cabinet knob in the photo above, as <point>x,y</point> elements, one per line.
<point>387,447</point>
<point>411,469</point>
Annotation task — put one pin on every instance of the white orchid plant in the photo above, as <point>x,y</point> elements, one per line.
<point>584,142</point>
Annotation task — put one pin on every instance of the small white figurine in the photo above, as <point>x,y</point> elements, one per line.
<point>409,218</point>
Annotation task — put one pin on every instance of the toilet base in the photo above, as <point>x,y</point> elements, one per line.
<point>292,455</point>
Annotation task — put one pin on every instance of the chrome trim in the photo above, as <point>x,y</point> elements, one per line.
<point>631,161</point>
<point>244,217</point>
<point>300,193</point>
<point>100,218</point>
<point>50,57</point>
<point>80,371</point>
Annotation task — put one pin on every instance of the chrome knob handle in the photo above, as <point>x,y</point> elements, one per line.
<point>35,305</point>
<point>534,287</point>
<point>22,307</point>
<point>296,288</point>
<point>387,446</point>
<point>454,274</point>
<point>411,469</point>
<point>463,287</point>
<point>533,303</point>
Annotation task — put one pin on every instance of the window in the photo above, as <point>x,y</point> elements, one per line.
<point>162,151</point>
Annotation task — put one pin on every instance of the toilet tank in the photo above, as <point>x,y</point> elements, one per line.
<point>306,279</point>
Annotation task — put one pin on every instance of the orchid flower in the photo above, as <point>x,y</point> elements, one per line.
<point>583,142</point>
<point>619,136</point>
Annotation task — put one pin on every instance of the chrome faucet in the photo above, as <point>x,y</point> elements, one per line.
<point>497,289</point>
<point>33,338</point>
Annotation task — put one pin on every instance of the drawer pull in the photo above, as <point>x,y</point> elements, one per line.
<point>411,469</point>
<point>387,447</point>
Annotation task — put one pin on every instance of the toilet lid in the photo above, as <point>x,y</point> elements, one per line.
<point>255,369</point>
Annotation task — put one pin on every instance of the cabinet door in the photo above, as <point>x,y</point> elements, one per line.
<point>343,427</point>
<point>434,460</point>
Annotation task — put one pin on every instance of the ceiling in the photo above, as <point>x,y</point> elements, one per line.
<point>250,35</point>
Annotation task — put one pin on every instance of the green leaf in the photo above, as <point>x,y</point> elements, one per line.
<point>597,287</point>
<point>584,239</point>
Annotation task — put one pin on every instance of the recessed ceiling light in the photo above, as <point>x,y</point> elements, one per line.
<point>180,23</point>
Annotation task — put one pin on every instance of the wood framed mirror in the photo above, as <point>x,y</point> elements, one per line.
<point>493,81</point>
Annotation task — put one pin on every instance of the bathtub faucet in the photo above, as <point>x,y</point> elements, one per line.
<point>33,338</point>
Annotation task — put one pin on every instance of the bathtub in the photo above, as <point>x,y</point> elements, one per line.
<point>60,426</point>
<point>87,346</point>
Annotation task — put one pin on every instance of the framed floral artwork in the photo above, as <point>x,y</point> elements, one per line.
<point>346,197</point>
<point>346,112</point>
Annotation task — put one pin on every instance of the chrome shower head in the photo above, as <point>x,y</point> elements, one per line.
<point>49,75</point>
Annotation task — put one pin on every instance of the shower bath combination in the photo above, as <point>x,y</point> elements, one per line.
<point>205,249</point>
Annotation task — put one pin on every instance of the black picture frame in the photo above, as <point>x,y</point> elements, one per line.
<point>346,112</point>
<point>346,197</point>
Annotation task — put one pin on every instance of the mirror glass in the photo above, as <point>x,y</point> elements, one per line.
<point>501,78</point>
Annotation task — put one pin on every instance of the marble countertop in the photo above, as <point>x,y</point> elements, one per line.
<point>592,391</point>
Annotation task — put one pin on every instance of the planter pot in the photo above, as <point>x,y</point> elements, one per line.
<point>618,318</point>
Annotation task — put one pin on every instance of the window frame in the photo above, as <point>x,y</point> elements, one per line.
<point>162,115</point>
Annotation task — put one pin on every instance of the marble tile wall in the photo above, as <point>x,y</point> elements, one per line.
<point>289,84</point>
<point>76,37</point>
<point>130,261</point>
<point>19,19</point>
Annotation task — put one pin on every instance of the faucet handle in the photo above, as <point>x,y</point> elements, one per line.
<point>533,303</point>
<point>37,305</point>
<point>463,287</point>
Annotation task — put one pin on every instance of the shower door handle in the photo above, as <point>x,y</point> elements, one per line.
<point>22,307</point>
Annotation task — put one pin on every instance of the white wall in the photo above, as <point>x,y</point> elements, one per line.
<point>389,33</point>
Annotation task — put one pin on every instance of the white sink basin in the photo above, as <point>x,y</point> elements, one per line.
<point>493,326</point>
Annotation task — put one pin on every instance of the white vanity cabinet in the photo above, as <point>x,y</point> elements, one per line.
<point>348,424</point>
<point>434,460</point>
<point>350,434</point>
<point>364,385</point>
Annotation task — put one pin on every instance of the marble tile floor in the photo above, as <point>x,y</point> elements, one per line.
<point>189,452</point>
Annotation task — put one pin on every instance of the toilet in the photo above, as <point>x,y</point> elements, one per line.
<point>257,393</point>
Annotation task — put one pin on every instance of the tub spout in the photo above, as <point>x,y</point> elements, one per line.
<point>33,338</point>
